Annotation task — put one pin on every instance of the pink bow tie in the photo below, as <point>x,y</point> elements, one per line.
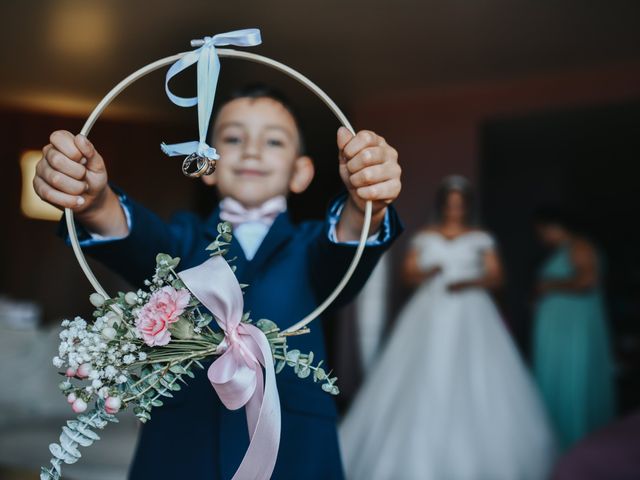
<point>235,213</point>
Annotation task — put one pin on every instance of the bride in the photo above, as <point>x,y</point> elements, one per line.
<point>450,398</point>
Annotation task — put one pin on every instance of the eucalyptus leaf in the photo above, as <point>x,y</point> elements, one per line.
<point>292,357</point>
<point>76,437</point>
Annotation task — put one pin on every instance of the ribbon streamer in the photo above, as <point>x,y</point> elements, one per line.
<point>237,374</point>
<point>208,72</point>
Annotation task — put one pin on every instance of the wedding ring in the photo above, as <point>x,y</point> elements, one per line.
<point>195,166</point>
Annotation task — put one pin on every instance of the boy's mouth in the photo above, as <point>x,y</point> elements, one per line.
<point>250,172</point>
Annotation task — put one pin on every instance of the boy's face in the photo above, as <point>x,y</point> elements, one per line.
<point>258,142</point>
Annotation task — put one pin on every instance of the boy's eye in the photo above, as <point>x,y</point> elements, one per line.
<point>231,139</point>
<point>274,142</point>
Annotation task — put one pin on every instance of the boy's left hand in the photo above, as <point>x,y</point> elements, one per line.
<point>370,171</point>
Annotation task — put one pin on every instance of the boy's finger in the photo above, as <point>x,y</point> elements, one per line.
<point>367,157</point>
<point>62,182</point>
<point>375,174</point>
<point>362,140</point>
<point>386,191</point>
<point>60,162</point>
<point>63,141</point>
<point>55,197</point>
<point>370,176</point>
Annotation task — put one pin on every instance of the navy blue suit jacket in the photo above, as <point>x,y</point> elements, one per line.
<point>193,436</point>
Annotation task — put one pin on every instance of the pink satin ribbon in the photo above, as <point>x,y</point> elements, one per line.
<point>237,374</point>
<point>234,212</point>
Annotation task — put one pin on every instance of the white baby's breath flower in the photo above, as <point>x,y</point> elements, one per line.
<point>142,356</point>
<point>99,324</point>
<point>97,383</point>
<point>110,371</point>
<point>57,362</point>
<point>128,359</point>
<point>121,379</point>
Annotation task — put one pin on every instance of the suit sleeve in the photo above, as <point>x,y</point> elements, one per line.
<point>329,260</point>
<point>133,256</point>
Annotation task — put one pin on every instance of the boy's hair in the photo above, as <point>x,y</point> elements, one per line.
<point>261,90</point>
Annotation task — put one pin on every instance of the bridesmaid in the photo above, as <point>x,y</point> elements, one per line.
<point>572,356</point>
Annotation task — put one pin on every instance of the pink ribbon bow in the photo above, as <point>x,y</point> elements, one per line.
<point>237,374</point>
<point>234,212</point>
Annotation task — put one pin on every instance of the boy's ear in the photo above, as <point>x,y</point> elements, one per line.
<point>210,180</point>
<point>303,172</point>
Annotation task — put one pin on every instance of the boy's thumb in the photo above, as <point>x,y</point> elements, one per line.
<point>344,135</point>
<point>85,146</point>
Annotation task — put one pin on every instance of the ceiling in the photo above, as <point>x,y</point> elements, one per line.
<point>66,54</point>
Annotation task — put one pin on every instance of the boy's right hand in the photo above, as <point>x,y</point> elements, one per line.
<point>72,174</point>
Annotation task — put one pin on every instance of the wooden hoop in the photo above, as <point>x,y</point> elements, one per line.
<point>252,57</point>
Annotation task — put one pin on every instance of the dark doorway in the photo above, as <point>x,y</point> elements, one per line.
<point>585,160</point>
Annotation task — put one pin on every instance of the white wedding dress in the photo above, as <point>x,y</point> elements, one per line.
<point>450,397</point>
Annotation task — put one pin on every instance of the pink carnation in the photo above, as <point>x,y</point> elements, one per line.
<point>164,308</point>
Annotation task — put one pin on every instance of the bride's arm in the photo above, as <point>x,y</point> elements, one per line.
<point>492,278</point>
<point>413,273</point>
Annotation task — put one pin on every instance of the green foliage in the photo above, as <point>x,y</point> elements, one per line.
<point>302,365</point>
<point>165,265</point>
<point>77,433</point>
<point>220,245</point>
<point>157,380</point>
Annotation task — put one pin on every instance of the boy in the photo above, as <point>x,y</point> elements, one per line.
<point>290,269</point>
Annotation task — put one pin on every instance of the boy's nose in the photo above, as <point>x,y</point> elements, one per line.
<point>251,150</point>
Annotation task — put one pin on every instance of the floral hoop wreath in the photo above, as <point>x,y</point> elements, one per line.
<point>252,57</point>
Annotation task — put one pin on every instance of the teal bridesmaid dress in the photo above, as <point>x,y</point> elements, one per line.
<point>572,357</point>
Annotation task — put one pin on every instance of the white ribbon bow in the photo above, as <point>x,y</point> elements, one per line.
<point>208,72</point>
